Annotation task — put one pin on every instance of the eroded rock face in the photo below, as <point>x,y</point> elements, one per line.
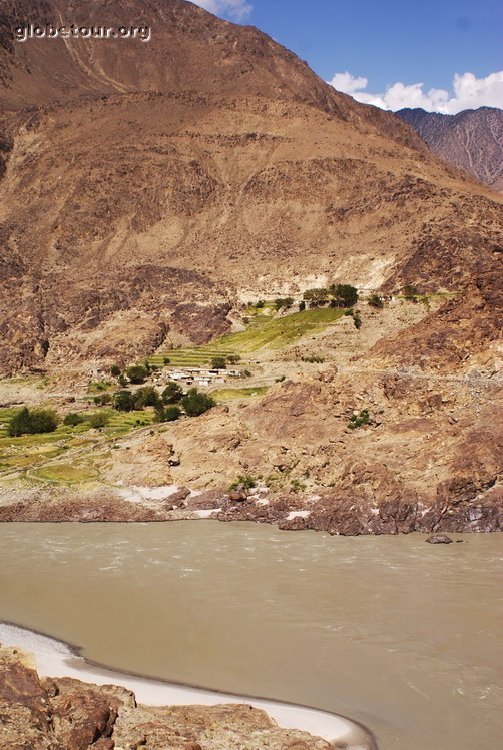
<point>66,714</point>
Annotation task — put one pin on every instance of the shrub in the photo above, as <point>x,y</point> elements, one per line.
<point>260,304</point>
<point>115,371</point>
<point>281,379</point>
<point>297,486</point>
<point>357,318</point>
<point>167,414</point>
<point>103,400</point>
<point>313,358</point>
<point>166,360</point>
<point>137,374</point>
<point>98,421</point>
<point>72,420</point>
<point>37,421</point>
<point>172,394</point>
<point>244,482</point>
<point>376,301</point>
<point>233,359</point>
<point>146,396</point>
<point>302,306</point>
<point>245,374</point>
<point>124,401</point>
<point>196,403</point>
<point>218,363</point>
<point>359,420</point>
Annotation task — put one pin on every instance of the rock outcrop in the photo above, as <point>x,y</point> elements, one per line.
<point>52,714</point>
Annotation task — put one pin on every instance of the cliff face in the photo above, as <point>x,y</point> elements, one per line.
<point>51,714</point>
<point>203,165</point>
<point>471,140</point>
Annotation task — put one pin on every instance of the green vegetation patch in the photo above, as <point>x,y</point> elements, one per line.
<point>65,473</point>
<point>231,394</point>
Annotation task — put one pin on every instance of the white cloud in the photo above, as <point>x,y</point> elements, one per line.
<point>468,92</point>
<point>238,10</point>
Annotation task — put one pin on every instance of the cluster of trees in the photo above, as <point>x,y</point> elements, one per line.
<point>336,295</point>
<point>39,421</point>
<point>168,405</point>
<point>136,374</point>
<point>32,422</point>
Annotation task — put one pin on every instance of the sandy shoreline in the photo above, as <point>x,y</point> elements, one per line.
<point>56,659</point>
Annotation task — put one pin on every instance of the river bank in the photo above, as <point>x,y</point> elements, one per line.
<point>337,513</point>
<point>54,659</point>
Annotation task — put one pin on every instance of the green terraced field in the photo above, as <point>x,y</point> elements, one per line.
<point>231,394</point>
<point>65,473</point>
<point>263,332</point>
<point>31,452</point>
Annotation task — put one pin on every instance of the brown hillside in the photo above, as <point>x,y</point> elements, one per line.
<point>204,165</point>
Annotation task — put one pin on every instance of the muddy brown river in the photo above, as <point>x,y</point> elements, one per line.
<point>400,635</point>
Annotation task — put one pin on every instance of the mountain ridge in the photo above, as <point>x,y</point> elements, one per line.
<point>471,140</point>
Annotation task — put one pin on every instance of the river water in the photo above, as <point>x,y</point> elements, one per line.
<point>402,636</point>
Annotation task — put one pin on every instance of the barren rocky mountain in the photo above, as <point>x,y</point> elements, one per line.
<point>149,190</point>
<point>471,140</point>
<point>195,168</point>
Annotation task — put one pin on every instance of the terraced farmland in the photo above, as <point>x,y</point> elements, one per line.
<point>263,332</point>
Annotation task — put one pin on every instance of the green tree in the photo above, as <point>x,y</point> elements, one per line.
<point>19,423</point>
<point>166,360</point>
<point>302,306</point>
<point>168,413</point>
<point>260,304</point>
<point>137,374</point>
<point>344,295</point>
<point>196,403</point>
<point>172,394</point>
<point>283,302</point>
<point>218,363</point>
<point>115,371</point>
<point>124,401</point>
<point>43,420</point>
<point>146,396</point>
<point>37,421</point>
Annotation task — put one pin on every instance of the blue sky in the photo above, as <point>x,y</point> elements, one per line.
<point>389,41</point>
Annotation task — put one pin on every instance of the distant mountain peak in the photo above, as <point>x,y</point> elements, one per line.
<point>471,140</point>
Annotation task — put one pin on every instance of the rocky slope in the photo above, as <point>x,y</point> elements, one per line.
<point>196,169</point>
<point>51,714</point>
<point>471,140</point>
<point>147,189</point>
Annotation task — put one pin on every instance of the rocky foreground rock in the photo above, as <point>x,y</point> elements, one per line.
<point>66,714</point>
